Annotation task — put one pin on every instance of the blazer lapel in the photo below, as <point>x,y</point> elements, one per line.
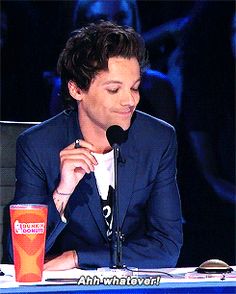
<point>87,188</point>
<point>126,176</point>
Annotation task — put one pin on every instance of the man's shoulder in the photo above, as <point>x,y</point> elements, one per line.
<point>48,129</point>
<point>147,122</point>
<point>147,128</point>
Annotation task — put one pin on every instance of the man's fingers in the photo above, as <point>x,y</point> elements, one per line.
<point>82,144</point>
<point>71,164</point>
<point>77,154</point>
<point>77,159</point>
<point>85,144</point>
<point>75,162</point>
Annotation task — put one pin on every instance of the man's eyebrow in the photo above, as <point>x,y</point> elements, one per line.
<point>112,82</point>
<point>118,82</point>
<point>138,80</point>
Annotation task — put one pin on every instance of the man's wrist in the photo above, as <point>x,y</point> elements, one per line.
<point>60,200</point>
<point>76,261</point>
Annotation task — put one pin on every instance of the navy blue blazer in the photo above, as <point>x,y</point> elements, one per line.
<point>150,213</point>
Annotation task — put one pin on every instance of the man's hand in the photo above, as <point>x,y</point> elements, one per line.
<point>74,164</point>
<point>67,260</point>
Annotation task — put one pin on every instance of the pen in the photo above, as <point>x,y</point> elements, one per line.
<point>77,145</point>
<point>63,280</point>
<point>54,282</point>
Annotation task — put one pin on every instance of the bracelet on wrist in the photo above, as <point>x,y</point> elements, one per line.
<point>62,194</point>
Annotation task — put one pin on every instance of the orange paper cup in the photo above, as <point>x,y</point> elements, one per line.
<point>28,230</point>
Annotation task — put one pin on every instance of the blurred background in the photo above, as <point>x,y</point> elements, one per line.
<point>190,84</point>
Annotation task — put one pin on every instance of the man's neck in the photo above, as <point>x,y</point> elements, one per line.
<point>94,135</point>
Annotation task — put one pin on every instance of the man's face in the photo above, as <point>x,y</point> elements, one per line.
<point>113,95</point>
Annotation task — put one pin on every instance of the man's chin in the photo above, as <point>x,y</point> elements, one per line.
<point>125,128</point>
<point>124,125</point>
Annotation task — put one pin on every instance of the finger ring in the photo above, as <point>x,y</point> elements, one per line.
<point>77,144</point>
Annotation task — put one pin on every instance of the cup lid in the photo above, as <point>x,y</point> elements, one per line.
<point>28,206</point>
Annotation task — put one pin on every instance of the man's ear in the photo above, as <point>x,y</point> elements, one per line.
<point>75,91</point>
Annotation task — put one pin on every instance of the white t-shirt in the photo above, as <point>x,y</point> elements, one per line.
<point>104,172</point>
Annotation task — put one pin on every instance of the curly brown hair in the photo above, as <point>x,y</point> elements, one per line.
<point>88,49</point>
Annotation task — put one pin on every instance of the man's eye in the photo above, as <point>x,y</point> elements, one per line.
<point>113,91</point>
<point>135,89</point>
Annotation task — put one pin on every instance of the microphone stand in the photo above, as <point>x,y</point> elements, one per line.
<point>117,236</point>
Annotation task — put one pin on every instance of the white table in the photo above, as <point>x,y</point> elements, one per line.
<point>183,280</point>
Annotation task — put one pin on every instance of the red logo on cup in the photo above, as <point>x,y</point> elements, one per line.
<point>28,228</point>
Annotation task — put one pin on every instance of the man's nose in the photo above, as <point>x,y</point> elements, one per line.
<point>128,99</point>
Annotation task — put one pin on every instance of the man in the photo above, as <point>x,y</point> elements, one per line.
<point>101,69</point>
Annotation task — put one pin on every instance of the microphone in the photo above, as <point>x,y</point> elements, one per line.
<point>116,135</point>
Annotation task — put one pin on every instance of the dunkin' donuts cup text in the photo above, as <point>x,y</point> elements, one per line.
<point>28,228</point>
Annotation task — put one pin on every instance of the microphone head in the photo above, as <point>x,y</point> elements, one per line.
<point>116,135</point>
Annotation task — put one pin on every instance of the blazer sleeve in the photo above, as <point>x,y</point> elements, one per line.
<point>32,188</point>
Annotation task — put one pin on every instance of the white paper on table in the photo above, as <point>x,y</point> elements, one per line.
<point>8,281</point>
